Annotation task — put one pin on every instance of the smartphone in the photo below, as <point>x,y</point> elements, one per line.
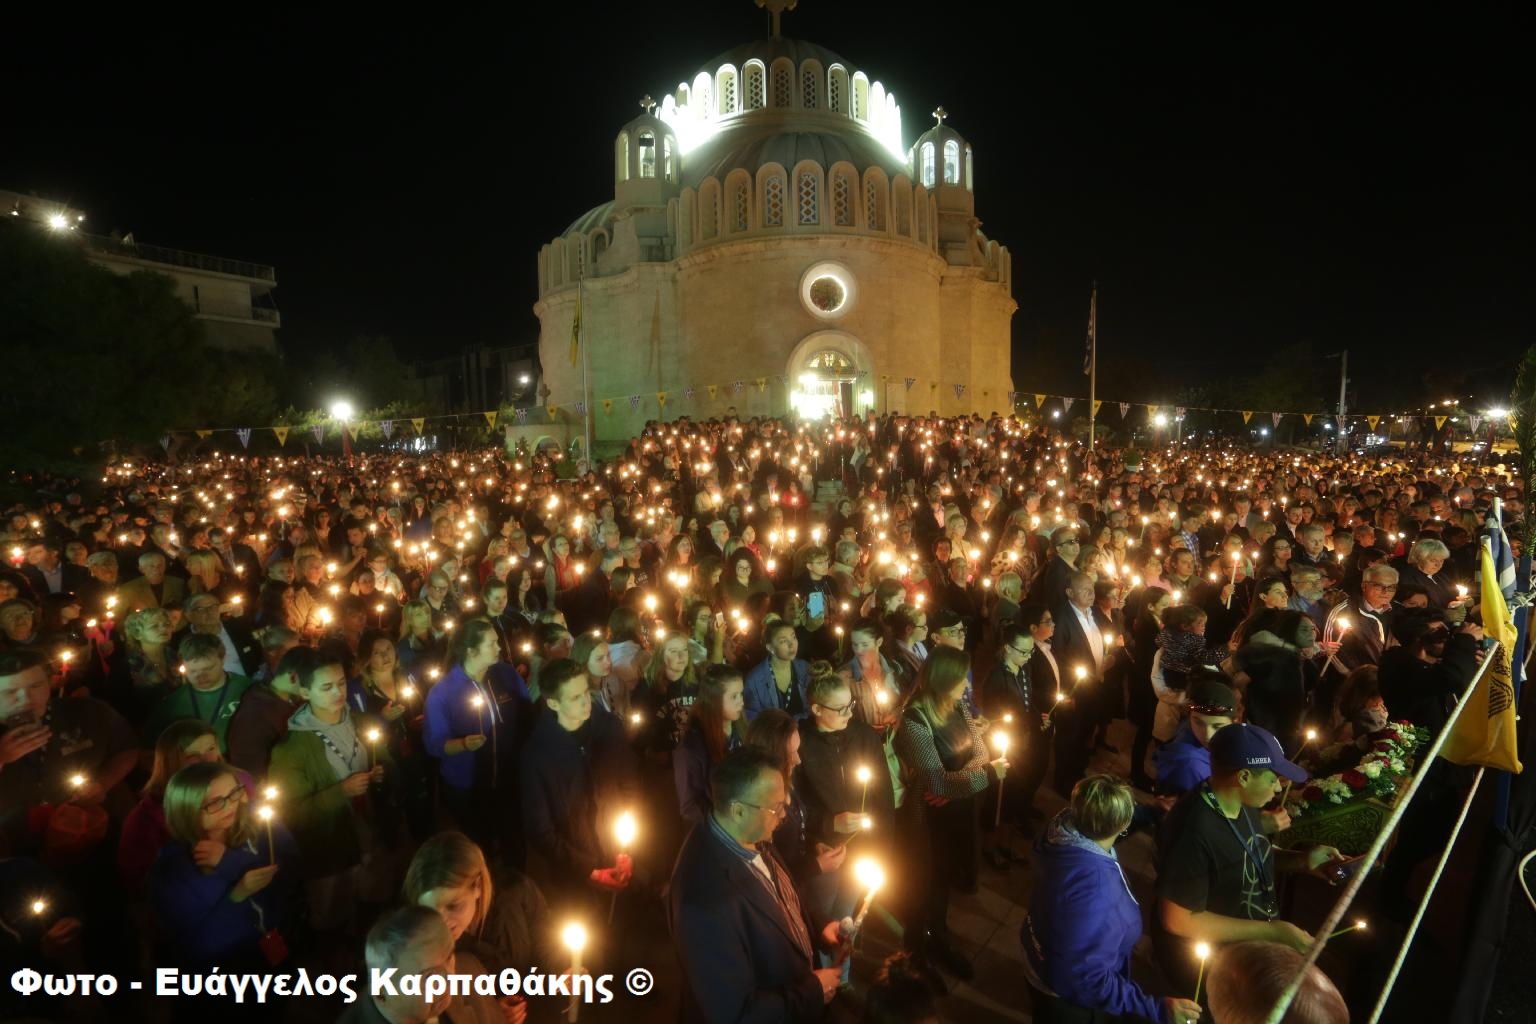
<point>1342,871</point>
<point>816,605</point>
<point>719,621</point>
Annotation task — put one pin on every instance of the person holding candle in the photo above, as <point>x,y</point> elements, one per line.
<point>871,679</point>
<point>743,938</point>
<point>472,726</point>
<point>947,761</point>
<point>716,726</point>
<point>1009,695</point>
<point>1083,922</point>
<point>337,797</point>
<point>907,642</point>
<point>420,648</point>
<point>574,763</point>
<point>1216,876</point>
<point>503,923</point>
<point>384,692</point>
<point>208,693</point>
<point>220,889</point>
<point>242,652</point>
<point>145,832</point>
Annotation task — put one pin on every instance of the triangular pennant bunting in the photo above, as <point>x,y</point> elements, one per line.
<point>1275,418</point>
<point>319,432</point>
<point>521,415</point>
<point>388,428</point>
<point>959,390</point>
<point>688,394</point>
<point>1013,398</point>
<point>762,384</point>
<point>661,399</point>
<point>1440,421</point>
<point>203,434</point>
<point>244,434</point>
<point>737,385</point>
<point>1306,418</point>
<point>490,418</point>
<point>634,402</point>
<point>282,435</point>
<point>1473,422</point>
<point>1039,401</point>
<point>581,408</point>
<point>909,382</point>
<point>550,410</point>
<point>165,441</point>
<point>1066,404</point>
<point>1178,412</point>
<point>1373,420</point>
<point>1097,402</point>
<point>417,423</point>
<point>1247,415</point>
<point>1125,407</point>
<point>608,406</point>
<point>712,389</point>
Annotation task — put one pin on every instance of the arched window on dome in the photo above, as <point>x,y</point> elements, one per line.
<point>810,87</point>
<point>874,204</point>
<point>599,246</point>
<point>970,170</point>
<point>837,89</point>
<point>903,194</point>
<point>783,83</point>
<point>647,146</point>
<point>725,88</point>
<point>739,205</point>
<point>666,158</point>
<point>621,158</point>
<point>860,96</point>
<point>925,171</point>
<point>842,200</point>
<point>701,109</point>
<point>951,162</point>
<point>709,210</point>
<point>808,199</point>
<point>773,201</point>
<point>755,92</point>
<point>921,215</point>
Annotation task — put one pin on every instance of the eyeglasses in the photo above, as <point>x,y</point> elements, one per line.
<point>846,709</point>
<point>778,810</point>
<point>953,631</point>
<point>1020,650</point>
<point>1380,586</point>
<point>219,803</point>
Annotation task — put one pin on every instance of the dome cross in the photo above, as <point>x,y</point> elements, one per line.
<point>647,104</point>
<point>775,9</point>
<point>938,117</point>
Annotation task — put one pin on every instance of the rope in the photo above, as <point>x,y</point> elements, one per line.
<point>1277,1015</point>
<point>1434,880</point>
<point>1520,874</point>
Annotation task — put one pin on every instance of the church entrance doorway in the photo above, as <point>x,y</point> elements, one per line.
<point>828,380</point>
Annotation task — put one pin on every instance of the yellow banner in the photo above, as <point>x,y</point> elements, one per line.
<point>417,423</point>
<point>1485,732</point>
<point>550,411</point>
<point>490,418</point>
<point>1096,403</point>
<point>1247,415</point>
<point>762,383</point>
<point>1440,422</point>
<point>608,405</point>
<point>282,435</point>
<point>1307,418</point>
<point>1373,420</point>
<point>1039,401</point>
<point>203,433</point>
<point>661,399</point>
<point>711,388</point>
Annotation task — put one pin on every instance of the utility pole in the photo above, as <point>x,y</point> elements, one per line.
<point>1343,386</point>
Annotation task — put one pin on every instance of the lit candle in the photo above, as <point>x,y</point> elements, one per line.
<point>39,907</point>
<point>864,775</point>
<point>575,938</point>
<point>624,830</point>
<point>871,876</point>
<point>1000,741</point>
<point>265,814</point>
<point>373,739</point>
<point>1358,926</point>
<point>1311,735</point>
<point>1203,951</point>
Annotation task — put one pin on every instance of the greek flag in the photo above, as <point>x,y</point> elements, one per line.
<point>1497,542</point>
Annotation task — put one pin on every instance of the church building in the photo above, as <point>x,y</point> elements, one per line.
<point>773,246</point>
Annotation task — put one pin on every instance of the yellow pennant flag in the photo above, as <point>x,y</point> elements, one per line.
<point>282,435</point>
<point>1039,401</point>
<point>576,327</point>
<point>762,383</point>
<point>1439,422</point>
<point>711,388</point>
<point>1307,418</point>
<point>1096,403</point>
<point>661,399</point>
<point>550,411</point>
<point>203,433</point>
<point>1373,420</point>
<point>490,418</point>
<point>417,423</point>
<point>608,405</point>
<point>1247,415</point>
<point>1485,732</point>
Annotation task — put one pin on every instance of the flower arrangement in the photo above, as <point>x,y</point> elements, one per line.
<point>1386,760</point>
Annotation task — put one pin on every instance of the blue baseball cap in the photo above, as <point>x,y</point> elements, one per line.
<point>1241,745</point>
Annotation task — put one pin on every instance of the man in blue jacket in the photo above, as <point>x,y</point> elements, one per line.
<point>741,934</point>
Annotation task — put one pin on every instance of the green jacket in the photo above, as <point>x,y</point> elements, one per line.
<point>185,702</point>
<point>313,805</point>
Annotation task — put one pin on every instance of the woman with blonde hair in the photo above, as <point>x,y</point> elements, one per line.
<point>147,654</point>
<point>420,649</point>
<point>947,766</point>
<point>219,888</point>
<point>502,925</point>
<point>671,685</point>
<point>145,832</point>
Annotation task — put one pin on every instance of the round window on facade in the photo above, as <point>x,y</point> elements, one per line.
<point>828,291</point>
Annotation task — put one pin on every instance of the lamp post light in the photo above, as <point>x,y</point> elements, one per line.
<point>341,411</point>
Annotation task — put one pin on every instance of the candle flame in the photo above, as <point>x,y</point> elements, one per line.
<point>574,936</point>
<point>869,874</point>
<point>625,829</point>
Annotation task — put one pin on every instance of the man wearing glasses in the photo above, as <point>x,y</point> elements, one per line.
<point>1058,572</point>
<point>1370,620</point>
<point>1007,692</point>
<point>742,936</point>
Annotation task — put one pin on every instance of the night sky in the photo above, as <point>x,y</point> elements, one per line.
<point>1237,182</point>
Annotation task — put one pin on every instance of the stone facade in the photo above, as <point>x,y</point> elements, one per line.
<point>770,241</point>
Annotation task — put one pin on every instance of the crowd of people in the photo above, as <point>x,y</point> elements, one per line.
<point>261,712</point>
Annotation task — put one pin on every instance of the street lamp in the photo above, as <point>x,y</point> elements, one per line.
<point>341,410</point>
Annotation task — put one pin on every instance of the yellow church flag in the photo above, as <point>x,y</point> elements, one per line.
<point>1247,415</point>
<point>490,418</point>
<point>762,383</point>
<point>203,433</point>
<point>1096,403</point>
<point>549,410</point>
<point>417,423</point>
<point>576,327</point>
<point>282,435</point>
<point>711,388</point>
<point>1439,422</point>
<point>1307,418</point>
<point>1372,421</point>
<point>608,406</point>
<point>1485,732</point>
<point>661,399</point>
<point>1039,401</point>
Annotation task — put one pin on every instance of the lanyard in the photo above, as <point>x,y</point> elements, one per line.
<point>1259,873</point>
<point>218,702</point>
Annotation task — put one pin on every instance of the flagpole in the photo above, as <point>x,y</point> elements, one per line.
<point>586,383</point>
<point>1093,360</point>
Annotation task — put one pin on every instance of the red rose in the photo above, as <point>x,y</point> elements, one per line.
<point>1382,746</point>
<point>1353,779</point>
<point>1313,795</point>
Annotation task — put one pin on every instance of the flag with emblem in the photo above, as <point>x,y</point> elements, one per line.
<point>712,389</point>
<point>319,431</point>
<point>521,415</point>
<point>1275,418</point>
<point>1484,734</point>
<point>244,434</point>
<point>490,418</point>
<point>608,406</point>
<point>1125,408</point>
<point>959,390</point>
<point>1039,401</point>
<point>1066,404</point>
<point>550,410</point>
<point>1247,415</point>
<point>661,399</point>
<point>165,441</point>
<point>1097,402</point>
<point>417,423</point>
<point>634,402</point>
<point>387,428</point>
<point>282,435</point>
<point>576,327</point>
<point>1373,420</point>
<point>204,434</point>
<point>1306,418</point>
